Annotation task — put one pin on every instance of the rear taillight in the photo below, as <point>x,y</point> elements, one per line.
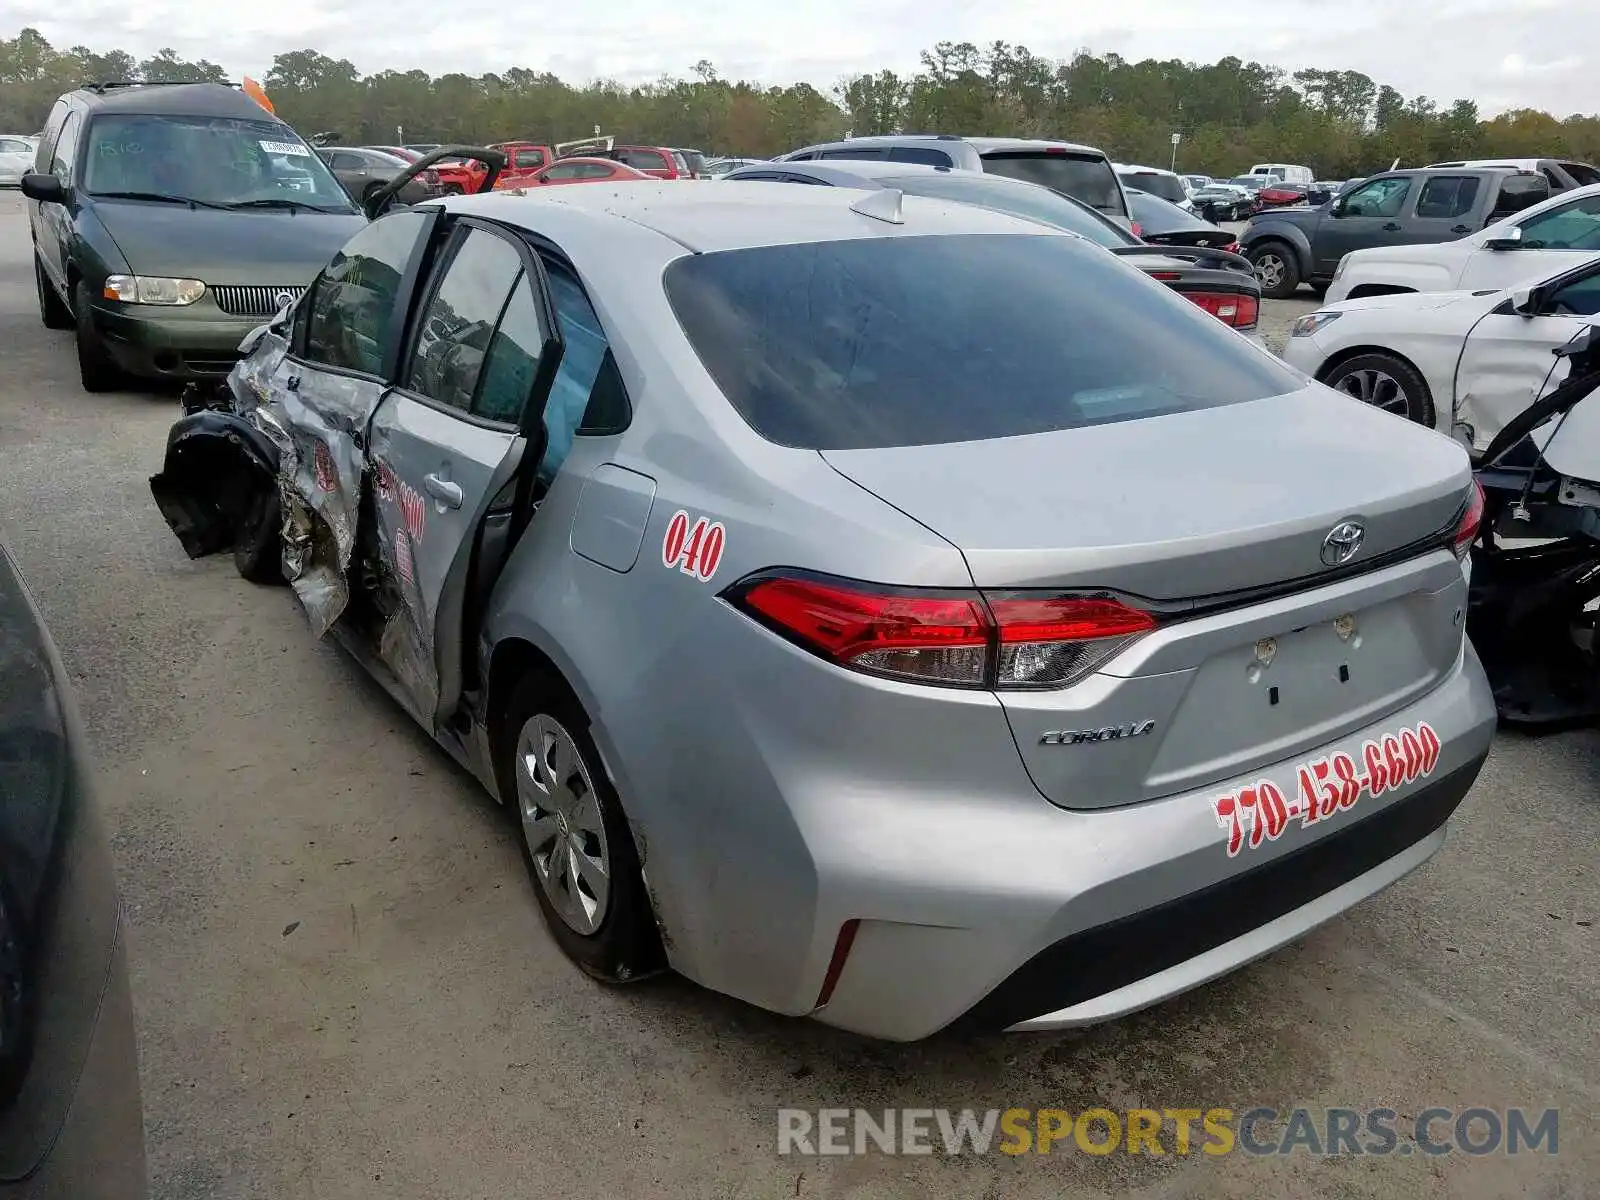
<point>1238,309</point>
<point>1467,531</point>
<point>966,639</point>
<point>1135,227</point>
<point>1231,248</point>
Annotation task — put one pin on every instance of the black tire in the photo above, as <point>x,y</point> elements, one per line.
<point>97,370</point>
<point>1277,269</point>
<point>1358,377</point>
<point>53,310</point>
<point>257,541</point>
<point>625,945</point>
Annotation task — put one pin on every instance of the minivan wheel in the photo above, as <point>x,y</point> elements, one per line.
<point>53,310</point>
<point>96,369</point>
<point>576,843</point>
<point>1385,381</point>
<point>1276,269</point>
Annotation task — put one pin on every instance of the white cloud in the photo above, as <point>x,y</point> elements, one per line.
<point>1447,49</point>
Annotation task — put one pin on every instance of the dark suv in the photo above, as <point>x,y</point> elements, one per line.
<point>169,220</point>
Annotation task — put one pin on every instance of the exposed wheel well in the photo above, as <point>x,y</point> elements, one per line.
<point>515,659</point>
<point>1378,289</point>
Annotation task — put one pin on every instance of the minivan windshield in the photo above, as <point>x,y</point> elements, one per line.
<point>214,161</point>
<point>1086,177</point>
<point>1020,199</point>
<point>921,340</point>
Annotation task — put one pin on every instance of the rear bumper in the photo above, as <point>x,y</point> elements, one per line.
<point>177,343</point>
<point>1069,918</point>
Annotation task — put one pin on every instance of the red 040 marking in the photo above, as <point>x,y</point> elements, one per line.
<point>1326,787</point>
<point>693,549</point>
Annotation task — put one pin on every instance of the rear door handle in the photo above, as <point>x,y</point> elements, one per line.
<point>1392,226</point>
<point>442,490</point>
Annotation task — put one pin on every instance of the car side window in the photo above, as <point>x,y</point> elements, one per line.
<point>61,165</point>
<point>351,321</point>
<point>644,160</point>
<point>513,359</point>
<point>456,328</point>
<point>1574,226</point>
<point>1380,198</point>
<point>1580,298</point>
<point>858,155</point>
<point>564,171</point>
<point>1555,180</point>
<point>527,158</point>
<point>920,154</point>
<point>1445,196</point>
<point>587,396</point>
<point>11,146</point>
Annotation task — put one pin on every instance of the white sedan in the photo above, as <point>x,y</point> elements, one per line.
<point>16,157</point>
<point>1462,362</point>
<point>1549,236</point>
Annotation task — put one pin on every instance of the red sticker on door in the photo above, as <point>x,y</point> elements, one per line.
<point>327,473</point>
<point>693,548</point>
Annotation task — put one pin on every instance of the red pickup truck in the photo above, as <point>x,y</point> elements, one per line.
<point>523,161</point>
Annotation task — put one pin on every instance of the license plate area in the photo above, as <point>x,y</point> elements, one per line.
<point>1268,699</point>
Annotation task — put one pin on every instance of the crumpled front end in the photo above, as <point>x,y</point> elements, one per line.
<point>220,459</point>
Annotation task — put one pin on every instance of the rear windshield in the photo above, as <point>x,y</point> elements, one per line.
<point>1021,199</point>
<point>909,341</point>
<point>1165,186</point>
<point>1088,177</point>
<point>643,160</point>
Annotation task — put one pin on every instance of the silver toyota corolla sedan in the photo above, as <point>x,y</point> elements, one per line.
<point>872,607</point>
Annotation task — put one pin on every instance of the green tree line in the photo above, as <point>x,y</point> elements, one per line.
<point>1230,113</point>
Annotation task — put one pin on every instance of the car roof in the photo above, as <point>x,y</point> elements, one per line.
<point>176,100</point>
<point>1145,170</point>
<point>983,145</point>
<point>743,215</point>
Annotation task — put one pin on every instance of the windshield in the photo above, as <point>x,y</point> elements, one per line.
<point>211,160</point>
<point>1085,177</point>
<point>1021,199</point>
<point>1165,186</point>
<point>877,341</point>
<point>1254,182</point>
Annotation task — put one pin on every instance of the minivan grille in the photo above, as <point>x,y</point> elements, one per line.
<point>253,300</point>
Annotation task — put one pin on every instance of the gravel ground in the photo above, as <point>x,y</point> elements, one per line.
<point>345,991</point>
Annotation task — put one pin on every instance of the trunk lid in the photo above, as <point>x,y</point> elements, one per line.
<point>1219,518</point>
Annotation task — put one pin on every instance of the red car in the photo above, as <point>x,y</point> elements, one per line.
<point>576,170</point>
<point>1281,195</point>
<point>457,177</point>
<point>660,162</point>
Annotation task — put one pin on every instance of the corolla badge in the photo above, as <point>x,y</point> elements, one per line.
<point>1342,543</point>
<point>1108,733</point>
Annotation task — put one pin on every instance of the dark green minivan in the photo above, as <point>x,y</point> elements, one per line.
<point>171,219</point>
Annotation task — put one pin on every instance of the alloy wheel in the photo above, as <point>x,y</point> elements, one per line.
<point>562,823</point>
<point>1269,271</point>
<point>1377,388</point>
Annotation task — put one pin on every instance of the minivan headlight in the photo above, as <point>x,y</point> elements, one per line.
<point>151,289</point>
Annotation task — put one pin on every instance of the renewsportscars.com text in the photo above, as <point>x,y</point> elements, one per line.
<point>1169,1131</point>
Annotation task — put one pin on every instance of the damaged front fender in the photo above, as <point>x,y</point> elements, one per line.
<point>217,463</point>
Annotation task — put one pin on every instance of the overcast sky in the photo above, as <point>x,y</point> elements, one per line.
<point>1502,53</point>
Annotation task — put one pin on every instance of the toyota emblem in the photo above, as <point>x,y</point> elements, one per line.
<point>282,298</point>
<point>1342,543</point>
